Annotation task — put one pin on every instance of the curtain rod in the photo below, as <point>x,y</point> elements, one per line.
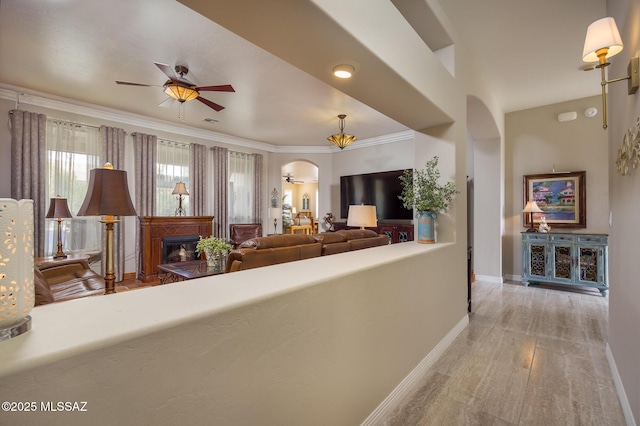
<point>70,122</point>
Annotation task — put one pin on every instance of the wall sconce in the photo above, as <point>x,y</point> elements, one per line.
<point>59,209</point>
<point>603,41</point>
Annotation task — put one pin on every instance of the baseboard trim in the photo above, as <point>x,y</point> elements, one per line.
<point>489,278</point>
<point>511,277</point>
<point>408,384</point>
<point>622,395</point>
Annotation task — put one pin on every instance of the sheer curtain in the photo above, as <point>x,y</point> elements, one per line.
<point>243,194</point>
<point>72,151</point>
<point>172,166</point>
<point>28,158</point>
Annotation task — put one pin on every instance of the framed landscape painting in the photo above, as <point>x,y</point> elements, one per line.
<point>561,196</point>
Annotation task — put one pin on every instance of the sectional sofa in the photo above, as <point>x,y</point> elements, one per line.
<point>274,249</point>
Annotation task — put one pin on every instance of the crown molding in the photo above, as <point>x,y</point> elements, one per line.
<point>23,96</point>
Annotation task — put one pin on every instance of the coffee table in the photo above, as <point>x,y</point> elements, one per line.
<point>181,271</point>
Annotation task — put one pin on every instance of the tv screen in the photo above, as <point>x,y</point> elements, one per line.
<point>378,189</point>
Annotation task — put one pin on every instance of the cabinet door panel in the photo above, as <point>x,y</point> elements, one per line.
<point>537,260</point>
<point>588,258</point>
<point>562,262</point>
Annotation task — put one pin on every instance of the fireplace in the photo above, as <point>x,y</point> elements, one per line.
<point>181,248</point>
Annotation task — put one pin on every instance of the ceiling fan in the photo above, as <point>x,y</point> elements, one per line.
<point>178,88</point>
<point>289,179</point>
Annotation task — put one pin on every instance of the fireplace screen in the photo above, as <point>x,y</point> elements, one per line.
<point>179,249</point>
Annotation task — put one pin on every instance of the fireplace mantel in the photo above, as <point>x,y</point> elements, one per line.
<point>154,228</point>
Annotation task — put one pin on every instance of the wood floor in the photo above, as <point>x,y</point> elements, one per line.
<point>530,356</point>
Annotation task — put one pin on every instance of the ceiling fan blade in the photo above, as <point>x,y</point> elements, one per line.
<point>167,70</point>
<point>167,103</point>
<point>220,88</point>
<point>128,83</point>
<point>210,104</point>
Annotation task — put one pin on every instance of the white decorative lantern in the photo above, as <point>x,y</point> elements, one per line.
<point>16,267</point>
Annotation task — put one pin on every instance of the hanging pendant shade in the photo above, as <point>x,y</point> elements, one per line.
<point>341,139</point>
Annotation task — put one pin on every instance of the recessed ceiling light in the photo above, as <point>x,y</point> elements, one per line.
<point>343,71</point>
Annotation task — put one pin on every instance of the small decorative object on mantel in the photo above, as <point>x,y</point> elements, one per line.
<point>629,152</point>
<point>214,248</point>
<point>180,190</point>
<point>17,295</point>
<point>421,190</point>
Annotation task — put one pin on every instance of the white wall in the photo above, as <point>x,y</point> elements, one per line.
<point>324,346</point>
<point>487,204</point>
<point>538,143</point>
<point>624,201</point>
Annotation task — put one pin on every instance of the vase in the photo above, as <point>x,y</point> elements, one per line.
<point>17,294</point>
<point>213,261</point>
<point>427,227</point>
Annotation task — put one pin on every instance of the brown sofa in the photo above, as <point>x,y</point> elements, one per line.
<point>274,249</point>
<point>65,280</point>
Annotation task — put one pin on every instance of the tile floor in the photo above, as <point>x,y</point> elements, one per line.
<point>530,356</point>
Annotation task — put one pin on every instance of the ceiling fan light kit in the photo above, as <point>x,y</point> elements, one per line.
<point>341,140</point>
<point>181,89</point>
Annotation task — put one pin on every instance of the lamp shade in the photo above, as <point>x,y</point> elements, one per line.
<point>601,34</point>
<point>341,140</point>
<point>532,207</point>
<point>275,212</point>
<point>58,208</point>
<point>180,189</point>
<point>180,93</point>
<point>108,194</point>
<point>362,216</point>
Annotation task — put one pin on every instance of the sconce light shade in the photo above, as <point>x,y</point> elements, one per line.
<point>362,216</point>
<point>602,34</point>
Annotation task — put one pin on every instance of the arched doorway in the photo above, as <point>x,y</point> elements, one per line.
<point>299,194</point>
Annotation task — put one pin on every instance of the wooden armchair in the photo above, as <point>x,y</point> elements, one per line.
<point>239,232</point>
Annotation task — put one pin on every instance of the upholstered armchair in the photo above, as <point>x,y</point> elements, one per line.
<point>239,232</point>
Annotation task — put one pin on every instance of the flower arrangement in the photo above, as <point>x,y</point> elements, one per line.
<point>212,245</point>
<point>421,190</point>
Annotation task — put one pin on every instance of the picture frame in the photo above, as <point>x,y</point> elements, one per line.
<point>561,196</point>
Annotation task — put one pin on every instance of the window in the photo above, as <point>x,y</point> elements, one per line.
<point>241,188</point>
<point>172,167</point>
<point>72,151</point>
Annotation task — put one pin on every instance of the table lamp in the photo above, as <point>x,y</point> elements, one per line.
<point>180,190</point>
<point>108,195</point>
<point>531,208</point>
<point>275,213</point>
<point>59,209</point>
<point>362,216</point>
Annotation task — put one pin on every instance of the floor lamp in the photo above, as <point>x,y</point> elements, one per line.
<point>362,216</point>
<point>108,196</point>
<point>59,209</point>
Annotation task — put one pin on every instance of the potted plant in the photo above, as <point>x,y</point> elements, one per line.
<point>213,248</point>
<point>422,191</point>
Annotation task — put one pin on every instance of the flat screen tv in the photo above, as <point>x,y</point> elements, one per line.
<point>379,189</point>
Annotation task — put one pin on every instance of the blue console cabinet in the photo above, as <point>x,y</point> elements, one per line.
<point>571,259</point>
